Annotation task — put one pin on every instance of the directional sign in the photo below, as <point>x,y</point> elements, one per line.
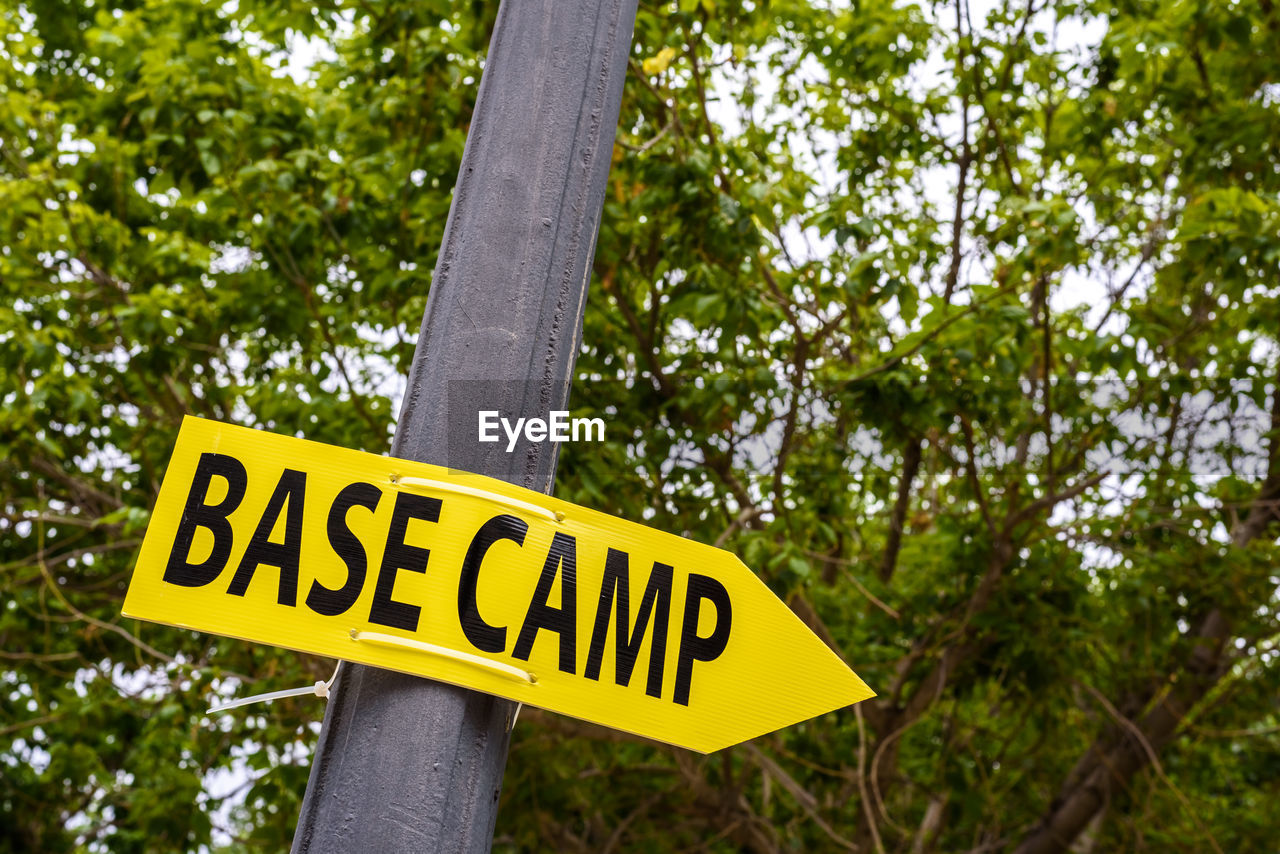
<point>472,581</point>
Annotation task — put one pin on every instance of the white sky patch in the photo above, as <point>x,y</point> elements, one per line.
<point>300,54</point>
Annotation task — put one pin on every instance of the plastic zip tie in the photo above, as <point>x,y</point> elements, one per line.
<point>320,689</point>
<point>380,639</point>
<point>459,489</point>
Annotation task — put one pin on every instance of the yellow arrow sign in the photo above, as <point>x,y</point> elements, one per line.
<point>472,581</point>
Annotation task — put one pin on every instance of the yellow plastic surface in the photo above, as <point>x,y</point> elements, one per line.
<point>745,673</point>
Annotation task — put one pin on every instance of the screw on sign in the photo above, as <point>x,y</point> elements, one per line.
<point>476,582</point>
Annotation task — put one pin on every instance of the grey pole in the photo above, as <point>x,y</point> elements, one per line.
<point>404,763</point>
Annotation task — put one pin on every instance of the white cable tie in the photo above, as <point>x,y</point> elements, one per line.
<point>324,691</point>
<point>262,698</point>
<point>320,689</point>
<point>506,670</point>
<point>459,489</point>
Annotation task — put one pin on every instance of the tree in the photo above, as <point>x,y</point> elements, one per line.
<point>958,324</point>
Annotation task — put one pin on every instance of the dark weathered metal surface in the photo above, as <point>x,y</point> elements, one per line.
<point>406,764</point>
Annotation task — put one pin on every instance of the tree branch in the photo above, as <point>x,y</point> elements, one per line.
<point>897,521</point>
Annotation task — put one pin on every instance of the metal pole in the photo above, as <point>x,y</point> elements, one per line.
<point>404,763</point>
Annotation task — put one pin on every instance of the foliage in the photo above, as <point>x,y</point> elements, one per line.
<point>957,323</point>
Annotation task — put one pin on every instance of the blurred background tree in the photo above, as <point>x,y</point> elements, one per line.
<point>957,320</point>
